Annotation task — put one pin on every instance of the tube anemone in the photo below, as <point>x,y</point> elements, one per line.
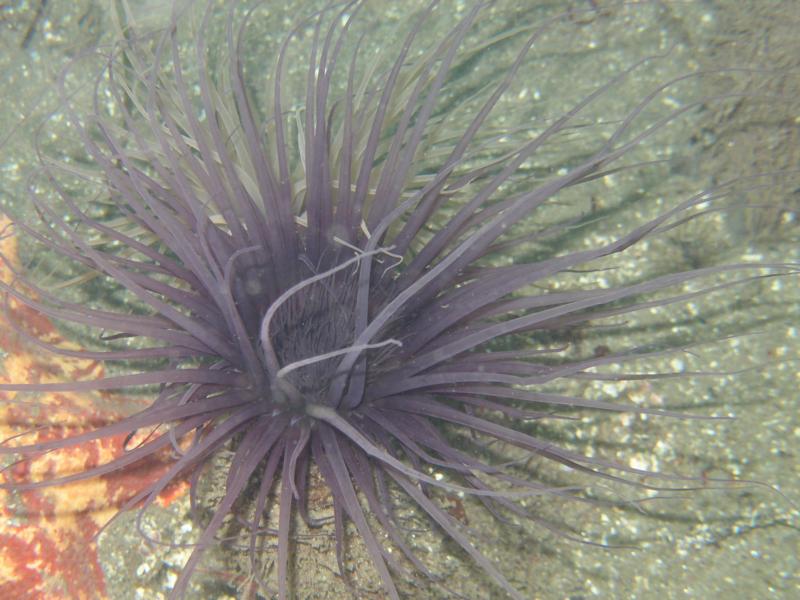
<point>351,276</point>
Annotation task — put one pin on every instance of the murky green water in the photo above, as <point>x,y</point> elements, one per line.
<point>736,543</point>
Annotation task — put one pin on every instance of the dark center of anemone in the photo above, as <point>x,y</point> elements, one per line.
<point>309,328</point>
<point>317,320</point>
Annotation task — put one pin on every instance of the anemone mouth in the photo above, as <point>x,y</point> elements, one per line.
<point>348,272</point>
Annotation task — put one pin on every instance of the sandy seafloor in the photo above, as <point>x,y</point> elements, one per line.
<point>732,543</point>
